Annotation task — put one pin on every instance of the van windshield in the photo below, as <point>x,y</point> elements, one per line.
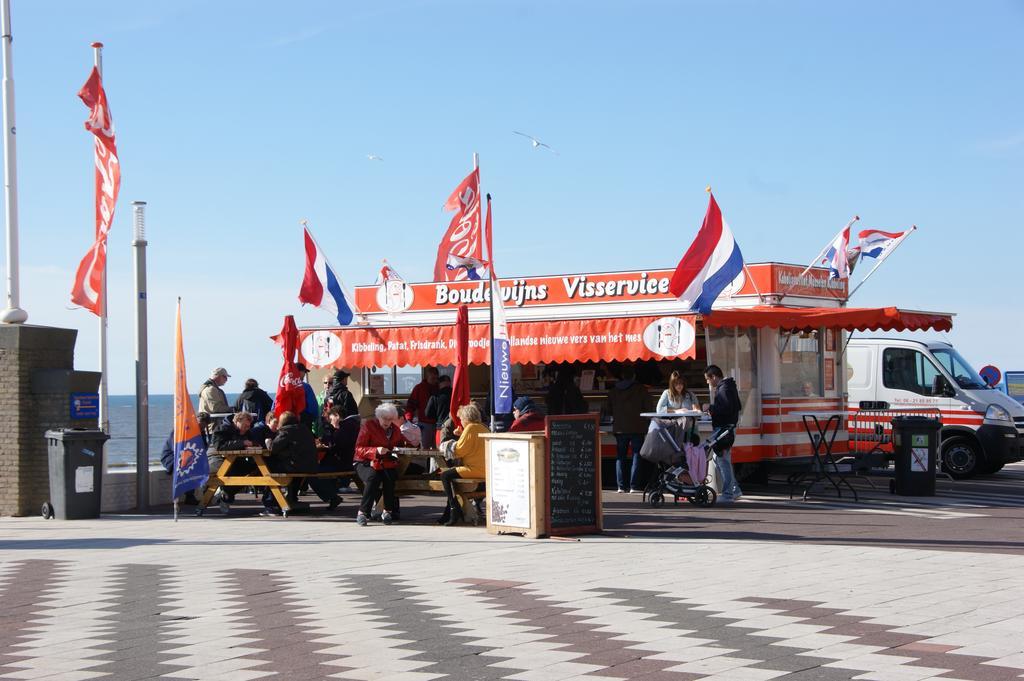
<point>964,374</point>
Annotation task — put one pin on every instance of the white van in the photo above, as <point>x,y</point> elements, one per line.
<point>982,428</point>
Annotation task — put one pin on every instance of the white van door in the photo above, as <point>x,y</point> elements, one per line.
<point>911,380</point>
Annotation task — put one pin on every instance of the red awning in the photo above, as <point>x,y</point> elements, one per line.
<point>567,340</point>
<point>847,318</point>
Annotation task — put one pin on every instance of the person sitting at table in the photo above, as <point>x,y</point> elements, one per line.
<point>528,416</point>
<point>470,451</point>
<point>338,438</point>
<point>234,434</point>
<point>293,451</point>
<point>265,430</point>
<point>375,461</point>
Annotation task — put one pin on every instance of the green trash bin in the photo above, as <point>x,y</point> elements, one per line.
<point>916,440</point>
<point>76,473</point>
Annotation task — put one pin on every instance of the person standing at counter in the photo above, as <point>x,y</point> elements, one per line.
<point>725,414</point>
<point>678,398</point>
<point>416,405</point>
<point>564,396</point>
<point>628,399</point>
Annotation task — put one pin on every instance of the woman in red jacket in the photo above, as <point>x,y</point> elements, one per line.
<point>375,460</point>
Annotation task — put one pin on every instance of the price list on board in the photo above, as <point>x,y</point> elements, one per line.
<point>573,474</point>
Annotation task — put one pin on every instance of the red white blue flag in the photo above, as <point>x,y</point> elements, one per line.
<point>874,243</point>
<point>321,286</point>
<point>709,265</point>
<point>836,256</point>
<point>191,467</point>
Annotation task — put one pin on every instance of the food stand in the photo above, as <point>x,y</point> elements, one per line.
<point>778,331</point>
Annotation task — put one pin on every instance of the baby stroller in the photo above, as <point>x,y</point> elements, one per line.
<point>682,465</point>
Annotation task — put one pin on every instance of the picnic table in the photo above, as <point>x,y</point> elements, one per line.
<point>263,478</point>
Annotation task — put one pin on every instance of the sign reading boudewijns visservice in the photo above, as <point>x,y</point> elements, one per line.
<point>604,287</point>
<point>630,338</point>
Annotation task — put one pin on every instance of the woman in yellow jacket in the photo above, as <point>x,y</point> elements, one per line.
<point>470,449</point>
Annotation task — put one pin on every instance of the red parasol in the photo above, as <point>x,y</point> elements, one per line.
<point>291,396</point>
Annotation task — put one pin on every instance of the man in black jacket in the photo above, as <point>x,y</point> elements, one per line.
<point>254,400</point>
<point>725,414</point>
<point>439,405</point>
<point>339,396</point>
<point>232,435</point>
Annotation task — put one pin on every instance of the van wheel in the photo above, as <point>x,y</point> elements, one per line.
<point>960,458</point>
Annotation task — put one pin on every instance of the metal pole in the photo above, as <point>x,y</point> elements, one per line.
<point>490,309</point>
<point>141,360</point>
<point>97,51</point>
<point>13,314</point>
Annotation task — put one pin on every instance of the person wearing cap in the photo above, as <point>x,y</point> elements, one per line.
<point>212,399</point>
<point>528,416</point>
<point>310,415</point>
<point>339,395</point>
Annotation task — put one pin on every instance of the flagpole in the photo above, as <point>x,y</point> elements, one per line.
<point>13,314</point>
<point>141,360</point>
<point>490,308</point>
<point>104,420</point>
<point>913,228</point>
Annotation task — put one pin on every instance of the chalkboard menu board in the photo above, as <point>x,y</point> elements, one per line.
<point>574,474</point>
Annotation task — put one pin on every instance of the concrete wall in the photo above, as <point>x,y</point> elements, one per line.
<point>37,377</point>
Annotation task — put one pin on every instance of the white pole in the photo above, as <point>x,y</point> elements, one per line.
<point>141,360</point>
<point>97,50</point>
<point>913,228</point>
<point>13,314</point>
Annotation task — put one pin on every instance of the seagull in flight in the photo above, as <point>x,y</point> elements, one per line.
<point>374,157</point>
<point>535,142</point>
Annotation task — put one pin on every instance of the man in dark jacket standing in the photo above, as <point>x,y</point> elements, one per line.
<point>628,399</point>
<point>339,396</point>
<point>725,414</point>
<point>254,400</point>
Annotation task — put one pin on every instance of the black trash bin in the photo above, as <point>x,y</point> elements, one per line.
<point>915,439</point>
<point>76,473</point>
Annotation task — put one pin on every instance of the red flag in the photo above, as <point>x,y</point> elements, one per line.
<point>461,252</point>
<point>460,384</point>
<point>291,396</point>
<point>87,290</point>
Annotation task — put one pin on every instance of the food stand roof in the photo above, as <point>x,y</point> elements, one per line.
<point>847,318</point>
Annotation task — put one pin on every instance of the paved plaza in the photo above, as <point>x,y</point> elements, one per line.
<point>889,589</point>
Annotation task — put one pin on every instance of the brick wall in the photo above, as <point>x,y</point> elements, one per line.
<point>37,378</point>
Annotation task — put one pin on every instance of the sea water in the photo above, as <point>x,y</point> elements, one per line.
<point>121,446</point>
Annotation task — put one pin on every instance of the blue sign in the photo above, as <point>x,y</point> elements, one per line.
<point>85,405</point>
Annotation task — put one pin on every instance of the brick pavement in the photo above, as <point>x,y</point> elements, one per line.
<point>246,598</point>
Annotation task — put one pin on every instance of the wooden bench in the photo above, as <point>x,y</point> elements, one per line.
<point>263,478</point>
<point>467,490</point>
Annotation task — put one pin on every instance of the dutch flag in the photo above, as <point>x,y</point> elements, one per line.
<point>321,286</point>
<point>874,242</point>
<point>710,264</point>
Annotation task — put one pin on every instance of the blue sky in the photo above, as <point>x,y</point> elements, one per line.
<point>237,119</point>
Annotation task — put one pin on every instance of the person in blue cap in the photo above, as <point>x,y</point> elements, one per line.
<point>528,416</point>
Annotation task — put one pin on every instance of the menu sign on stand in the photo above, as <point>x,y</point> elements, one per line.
<point>515,499</point>
<point>573,473</point>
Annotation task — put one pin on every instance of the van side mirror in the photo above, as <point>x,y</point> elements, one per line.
<point>942,388</point>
